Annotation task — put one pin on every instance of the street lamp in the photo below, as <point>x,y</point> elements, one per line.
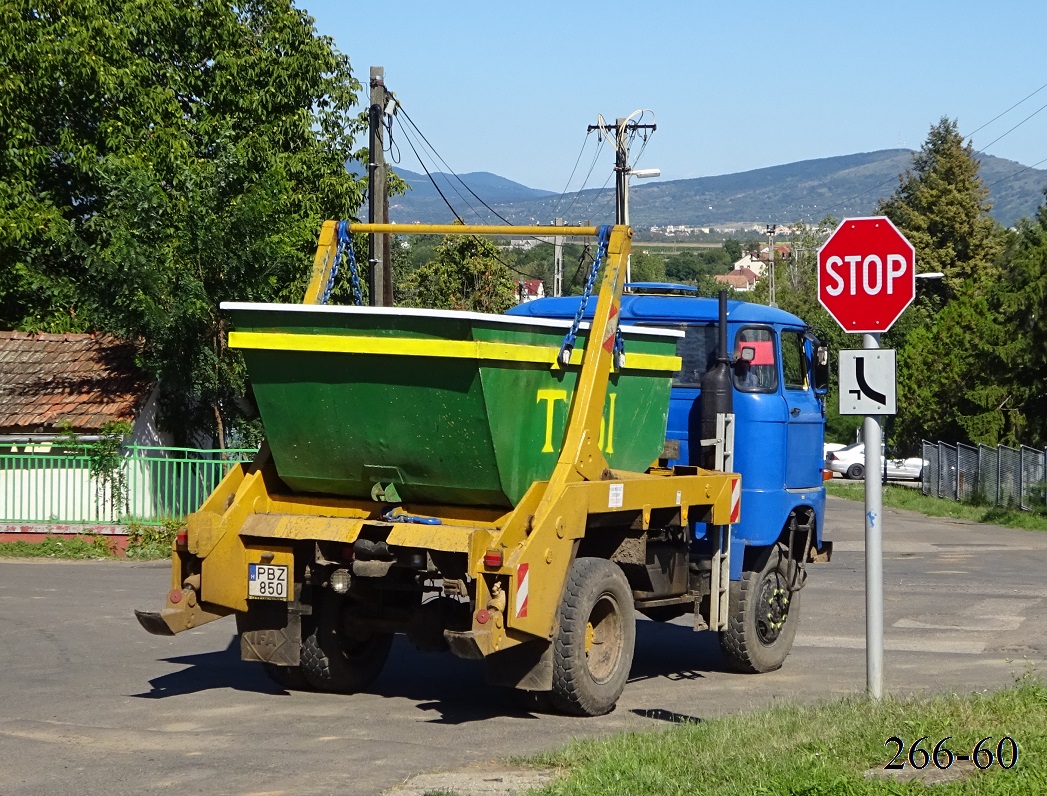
<point>623,204</point>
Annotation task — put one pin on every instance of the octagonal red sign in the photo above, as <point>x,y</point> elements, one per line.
<point>866,274</point>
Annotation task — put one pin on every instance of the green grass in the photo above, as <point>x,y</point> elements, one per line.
<point>826,749</point>
<point>80,547</point>
<point>901,497</point>
<point>144,543</point>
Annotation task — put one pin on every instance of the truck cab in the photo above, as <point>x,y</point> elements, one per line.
<point>778,380</point>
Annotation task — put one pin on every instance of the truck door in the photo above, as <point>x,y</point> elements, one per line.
<point>805,422</point>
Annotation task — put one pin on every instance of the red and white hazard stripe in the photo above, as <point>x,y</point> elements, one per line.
<point>521,590</point>
<point>736,500</point>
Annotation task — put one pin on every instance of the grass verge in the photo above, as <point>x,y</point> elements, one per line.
<point>835,748</point>
<point>902,497</point>
<point>144,543</point>
<point>78,547</point>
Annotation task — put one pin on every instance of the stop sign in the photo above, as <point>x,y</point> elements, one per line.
<point>866,274</point>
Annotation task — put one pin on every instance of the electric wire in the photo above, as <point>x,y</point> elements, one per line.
<point>448,183</point>
<point>1015,105</point>
<point>983,149</point>
<point>559,200</point>
<point>454,174</point>
<point>1023,121</point>
<point>418,157</point>
<point>589,174</point>
<point>1020,171</point>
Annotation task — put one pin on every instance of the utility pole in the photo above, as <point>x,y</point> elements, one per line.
<point>623,128</point>
<point>772,299</point>
<point>379,273</point>
<point>558,261</point>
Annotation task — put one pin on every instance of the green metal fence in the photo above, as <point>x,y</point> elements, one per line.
<point>152,484</point>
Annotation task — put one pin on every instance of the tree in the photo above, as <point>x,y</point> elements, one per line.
<point>647,267</point>
<point>163,157</point>
<point>691,265</point>
<point>465,274</point>
<point>942,206</point>
<point>948,341</point>
<point>1022,296</point>
<point>733,248</point>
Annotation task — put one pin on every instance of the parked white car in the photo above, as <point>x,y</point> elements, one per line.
<point>850,463</point>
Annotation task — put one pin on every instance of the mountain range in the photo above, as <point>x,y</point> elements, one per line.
<point>846,185</point>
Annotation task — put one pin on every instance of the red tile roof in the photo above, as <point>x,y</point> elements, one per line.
<point>83,379</point>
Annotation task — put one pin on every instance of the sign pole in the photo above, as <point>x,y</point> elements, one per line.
<point>871,432</point>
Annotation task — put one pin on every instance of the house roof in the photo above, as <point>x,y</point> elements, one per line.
<point>84,380</point>
<point>738,278</point>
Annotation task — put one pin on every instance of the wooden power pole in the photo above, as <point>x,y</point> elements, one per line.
<point>379,272</point>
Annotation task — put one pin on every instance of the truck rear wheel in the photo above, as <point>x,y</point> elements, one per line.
<point>332,660</point>
<point>763,615</point>
<point>593,648</point>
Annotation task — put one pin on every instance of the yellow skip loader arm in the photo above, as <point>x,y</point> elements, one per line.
<point>515,562</point>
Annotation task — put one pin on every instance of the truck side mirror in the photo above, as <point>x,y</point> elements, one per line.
<point>821,369</point>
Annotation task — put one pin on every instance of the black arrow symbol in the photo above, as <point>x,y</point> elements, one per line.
<point>859,373</point>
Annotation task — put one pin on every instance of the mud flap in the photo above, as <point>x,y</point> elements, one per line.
<point>527,666</point>
<point>271,632</point>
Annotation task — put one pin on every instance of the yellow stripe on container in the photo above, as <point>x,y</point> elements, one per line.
<point>420,347</point>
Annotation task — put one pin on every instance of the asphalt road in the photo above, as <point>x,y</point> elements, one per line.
<point>90,703</point>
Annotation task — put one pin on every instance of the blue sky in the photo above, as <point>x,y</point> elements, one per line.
<point>510,88</point>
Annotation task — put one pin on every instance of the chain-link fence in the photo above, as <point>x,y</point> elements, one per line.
<point>999,476</point>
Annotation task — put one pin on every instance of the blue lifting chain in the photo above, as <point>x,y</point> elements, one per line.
<point>345,248</point>
<point>564,357</point>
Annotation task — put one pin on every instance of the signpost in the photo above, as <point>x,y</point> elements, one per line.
<point>866,279</point>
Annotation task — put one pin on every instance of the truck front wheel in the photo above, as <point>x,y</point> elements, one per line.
<point>593,648</point>
<point>333,660</point>
<point>763,614</point>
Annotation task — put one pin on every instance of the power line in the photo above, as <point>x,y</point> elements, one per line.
<point>841,203</point>
<point>592,167</point>
<point>578,160</point>
<point>1020,171</point>
<point>1023,121</point>
<point>1015,105</point>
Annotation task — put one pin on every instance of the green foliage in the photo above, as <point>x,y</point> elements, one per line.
<point>733,248</point>
<point>647,267</point>
<point>163,157</point>
<point>691,265</point>
<point>942,206</point>
<point>104,459</point>
<point>1021,295</point>
<point>953,345</point>
<point>149,542</point>
<point>465,274</point>
<point>78,547</point>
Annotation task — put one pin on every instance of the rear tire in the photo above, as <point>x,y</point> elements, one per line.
<point>596,634</point>
<point>335,661</point>
<point>763,615</point>
<point>855,472</point>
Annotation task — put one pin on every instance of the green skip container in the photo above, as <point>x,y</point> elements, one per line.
<point>445,407</point>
